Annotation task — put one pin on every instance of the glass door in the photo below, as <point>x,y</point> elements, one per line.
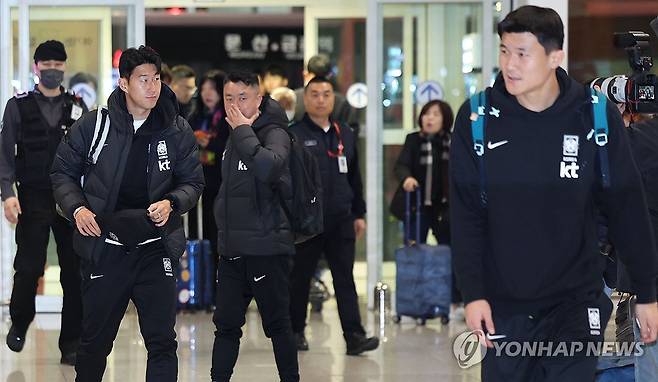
<point>417,51</point>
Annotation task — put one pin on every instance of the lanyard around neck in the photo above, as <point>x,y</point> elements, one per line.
<point>338,153</point>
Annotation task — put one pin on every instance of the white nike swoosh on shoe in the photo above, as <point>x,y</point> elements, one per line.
<point>257,279</point>
<point>92,276</point>
<point>492,146</point>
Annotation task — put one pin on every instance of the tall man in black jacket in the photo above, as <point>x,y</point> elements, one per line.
<point>127,214</point>
<point>32,127</point>
<point>526,256</point>
<point>255,240</point>
<point>334,145</point>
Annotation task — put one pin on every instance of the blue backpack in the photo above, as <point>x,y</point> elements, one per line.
<point>478,123</point>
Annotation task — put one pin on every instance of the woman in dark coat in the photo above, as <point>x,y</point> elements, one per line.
<point>423,163</point>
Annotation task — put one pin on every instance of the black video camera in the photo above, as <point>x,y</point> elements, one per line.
<point>638,90</point>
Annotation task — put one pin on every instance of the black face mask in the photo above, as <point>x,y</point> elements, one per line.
<point>51,78</point>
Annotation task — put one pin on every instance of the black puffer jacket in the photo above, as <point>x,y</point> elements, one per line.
<point>250,219</point>
<point>182,178</point>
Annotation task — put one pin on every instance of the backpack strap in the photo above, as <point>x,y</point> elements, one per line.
<point>478,119</point>
<point>100,136</point>
<point>599,101</point>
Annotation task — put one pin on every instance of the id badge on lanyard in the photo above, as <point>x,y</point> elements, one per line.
<point>342,159</point>
<point>342,164</point>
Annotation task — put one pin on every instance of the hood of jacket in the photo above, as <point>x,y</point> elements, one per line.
<point>271,113</point>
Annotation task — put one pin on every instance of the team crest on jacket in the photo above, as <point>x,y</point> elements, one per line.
<point>569,165</point>
<point>163,161</point>
<point>162,149</point>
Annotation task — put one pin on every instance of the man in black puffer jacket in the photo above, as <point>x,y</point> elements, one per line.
<point>127,213</point>
<point>255,241</point>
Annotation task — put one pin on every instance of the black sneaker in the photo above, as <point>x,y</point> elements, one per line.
<point>358,343</point>
<point>68,359</point>
<point>16,339</point>
<point>300,342</point>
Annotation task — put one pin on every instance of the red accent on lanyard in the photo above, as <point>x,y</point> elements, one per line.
<point>340,144</point>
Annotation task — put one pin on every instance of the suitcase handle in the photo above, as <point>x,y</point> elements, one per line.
<point>407,217</point>
<point>199,220</point>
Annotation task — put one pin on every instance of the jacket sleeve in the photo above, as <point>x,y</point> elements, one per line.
<point>625,205</point>
<point>266,160</point>
<point>69,164</point>
<point>8,136</point>
<point>188,173</point>
<point>404,163</point>
<point>356,181</point>
<point>467,215</point>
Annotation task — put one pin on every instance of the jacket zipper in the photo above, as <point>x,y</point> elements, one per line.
<point>229,151</point>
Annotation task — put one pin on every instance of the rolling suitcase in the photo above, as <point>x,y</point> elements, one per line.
<point>423,274</point>
<point>195,284</point>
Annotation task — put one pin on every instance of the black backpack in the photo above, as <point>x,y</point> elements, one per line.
<point>306,215</point>
<point>305,211</point>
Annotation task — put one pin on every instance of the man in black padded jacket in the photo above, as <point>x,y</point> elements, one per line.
<point>255,241</point>
<point>127,213</point>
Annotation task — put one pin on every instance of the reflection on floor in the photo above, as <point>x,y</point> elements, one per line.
<point>408,353</point>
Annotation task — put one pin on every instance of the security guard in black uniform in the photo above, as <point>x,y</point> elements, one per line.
<point>33,125</point>
<point>334,145</point>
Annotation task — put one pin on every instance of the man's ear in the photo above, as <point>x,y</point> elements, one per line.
<point>555,58</point>
<point>35,70</point>
<point>123,84</point>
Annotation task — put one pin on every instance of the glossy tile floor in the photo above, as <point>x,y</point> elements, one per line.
<point>408,352</point>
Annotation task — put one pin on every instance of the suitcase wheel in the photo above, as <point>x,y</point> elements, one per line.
<point>421,321</point>
<point>397,319</point>
<point>445,320</point>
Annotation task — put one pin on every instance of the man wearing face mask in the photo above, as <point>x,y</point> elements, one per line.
<point>33,125</point>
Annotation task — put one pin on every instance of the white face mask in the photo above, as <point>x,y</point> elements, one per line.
<point>290,114</point>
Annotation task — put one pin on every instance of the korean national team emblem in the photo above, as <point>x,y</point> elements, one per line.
<point>594,318</point>
<point>166,262</point>
<point>570,146</point>
<point>162,148</point>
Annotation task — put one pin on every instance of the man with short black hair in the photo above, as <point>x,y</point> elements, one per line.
<point>255,240</point>
<point>125,176</point>
<point>32,127</point>
<point>320,66</point>
<point>273,77</point>
<point>183,83</point>
<point>525,195</point>
<point>333,143</point>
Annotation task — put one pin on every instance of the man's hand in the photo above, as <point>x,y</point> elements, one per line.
<point>235,118</point>
<point>647,316</point>
<point>359,228</point>
<point>159,212</point>
<point>476,312</point>
<point>85,220</point>
<point>12,209</point>
<point>410,184</point>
